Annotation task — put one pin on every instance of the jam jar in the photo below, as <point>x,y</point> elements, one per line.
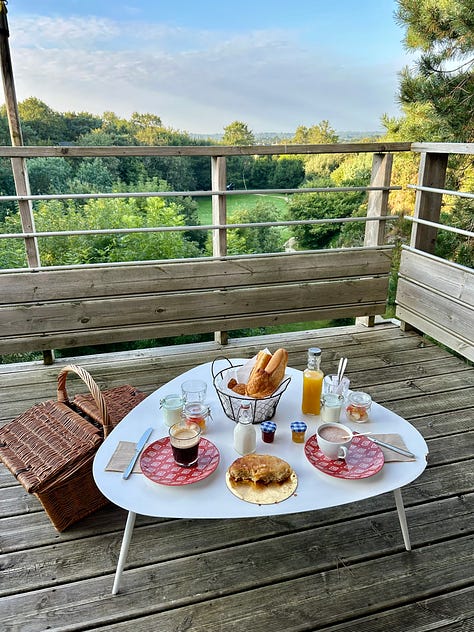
<point>197,413</point>
<point>358,406</point>
<point>298,429</point>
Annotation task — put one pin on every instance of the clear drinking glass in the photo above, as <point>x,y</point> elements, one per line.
<point>331,384</point>
<point>194,391</point>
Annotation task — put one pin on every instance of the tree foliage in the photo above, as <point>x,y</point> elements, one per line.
<point>238,133</point>
<point>443,77</point>
<point>259,239</point>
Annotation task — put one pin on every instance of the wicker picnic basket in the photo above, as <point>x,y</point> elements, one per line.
<point>262,409</point>
<point>50,447</point>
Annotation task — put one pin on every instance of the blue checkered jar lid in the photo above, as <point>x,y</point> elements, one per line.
<point>268,426</point>
<point>298,426</point>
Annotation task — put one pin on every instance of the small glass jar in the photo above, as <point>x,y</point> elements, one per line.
<point>172,406</point>
<point>331,407</point>
<point>268,429</point>
<point>298,430</point>
<point>197,413</point>
<point>358,406</point>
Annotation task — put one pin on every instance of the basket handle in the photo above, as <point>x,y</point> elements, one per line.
<point>215,360</point>
<point>93,388</point>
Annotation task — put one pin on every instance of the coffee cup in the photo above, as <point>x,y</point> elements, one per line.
<point>184,439</point>
<point>334,440</point>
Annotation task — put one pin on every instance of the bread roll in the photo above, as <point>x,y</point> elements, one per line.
<point>264,381</point>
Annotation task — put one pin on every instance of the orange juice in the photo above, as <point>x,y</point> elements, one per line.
<point>312,386</point>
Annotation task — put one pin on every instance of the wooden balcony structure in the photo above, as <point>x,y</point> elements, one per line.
<point>337,570</point>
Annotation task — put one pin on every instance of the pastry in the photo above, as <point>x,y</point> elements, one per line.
<point>264,381</point>
<point>260,468</point>
<point>237,387</point>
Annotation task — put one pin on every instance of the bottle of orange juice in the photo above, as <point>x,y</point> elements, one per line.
<point>312,383</point>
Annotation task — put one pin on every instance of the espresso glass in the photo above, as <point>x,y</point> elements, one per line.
<point>184,439</point>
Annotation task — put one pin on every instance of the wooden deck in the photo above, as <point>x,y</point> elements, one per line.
<point>341,569</point>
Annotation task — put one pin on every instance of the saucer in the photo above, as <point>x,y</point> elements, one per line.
<point>364,459</point>
<point>158,465</point>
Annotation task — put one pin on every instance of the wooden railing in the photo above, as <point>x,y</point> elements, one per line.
<point>378,190</point>
<point>434,295</point>
<point>412,302</point>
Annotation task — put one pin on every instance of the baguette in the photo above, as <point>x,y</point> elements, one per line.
<point>261,361</point>
<point>276,367</point>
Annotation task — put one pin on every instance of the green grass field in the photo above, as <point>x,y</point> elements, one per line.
<point>236,202</point>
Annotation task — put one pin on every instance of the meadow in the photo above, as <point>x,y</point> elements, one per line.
<point>237,202</point>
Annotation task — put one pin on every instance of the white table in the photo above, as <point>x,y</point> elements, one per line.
<point>210,498</point>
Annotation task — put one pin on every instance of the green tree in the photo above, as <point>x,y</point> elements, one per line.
<point>47,125</point>
<point>80,123</point>
<point>49,175</point>
<point>443,33</point>
<point>328,205</point>
<point>238,133</point>
<point>289,173</point>
<point>259,239</point>
<point>60,215</point>
<point>319,134</point>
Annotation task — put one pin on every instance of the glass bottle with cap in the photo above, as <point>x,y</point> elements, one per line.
<point>312,383</point>
<point>245,437</point>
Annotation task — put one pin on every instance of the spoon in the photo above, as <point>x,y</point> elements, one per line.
<point>341,369</point>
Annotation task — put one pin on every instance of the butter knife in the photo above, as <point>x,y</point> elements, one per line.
<point>140,445</point>
<point>395,448</point>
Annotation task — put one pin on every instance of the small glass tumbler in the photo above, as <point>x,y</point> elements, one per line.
<point>194,391</point>
<point>184,439</point>
<point>172,407</point>
<point>268,429</point>
<point>331,384</point>
<point>298,430</point>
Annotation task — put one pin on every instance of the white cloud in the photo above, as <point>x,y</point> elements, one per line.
<point>194,80</point>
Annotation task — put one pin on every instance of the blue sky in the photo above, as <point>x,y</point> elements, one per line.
<point>200,65</point>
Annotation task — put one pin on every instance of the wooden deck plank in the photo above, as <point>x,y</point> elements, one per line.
<point>288,557</point>
<point>335,570</point>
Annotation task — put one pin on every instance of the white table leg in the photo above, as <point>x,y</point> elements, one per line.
<point>127,536</point>
<point>402,517</point>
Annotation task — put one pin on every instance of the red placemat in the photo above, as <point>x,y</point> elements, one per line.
<point>158,465</point>
<point>364,459</point>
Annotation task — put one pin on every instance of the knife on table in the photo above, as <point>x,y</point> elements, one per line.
<point>140,445</point>
<point>395,448</point>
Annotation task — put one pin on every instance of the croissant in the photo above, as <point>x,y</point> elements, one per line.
<point>264,381</point>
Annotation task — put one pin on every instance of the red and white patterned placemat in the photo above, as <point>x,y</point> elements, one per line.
<point>364,459</point>
<point>158,465</point>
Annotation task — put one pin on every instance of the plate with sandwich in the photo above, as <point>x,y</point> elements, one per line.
<point>262,479</point>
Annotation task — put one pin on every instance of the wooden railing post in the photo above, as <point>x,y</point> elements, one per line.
<point>20,173</point>
<point>432,173</point>
<point>219,216</point>
<point>377,206</point>
<point>19,168</point>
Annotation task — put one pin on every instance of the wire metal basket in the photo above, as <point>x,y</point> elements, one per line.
<point>263,408</point>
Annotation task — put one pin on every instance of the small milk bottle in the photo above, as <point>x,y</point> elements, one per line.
<point>312,383</point>
<point>245,437</point>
